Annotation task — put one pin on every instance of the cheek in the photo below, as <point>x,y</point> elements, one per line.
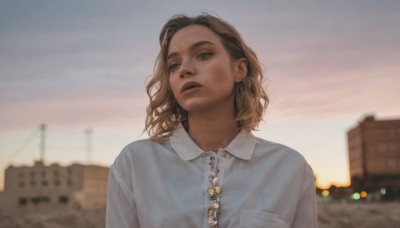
<point>173,85</point>
<point>222,69</point>
<point>224,76</point>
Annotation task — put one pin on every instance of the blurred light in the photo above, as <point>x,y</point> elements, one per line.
<point>383,191</point>
<point>355,196</point>
<point>364,194</point>
<point>325,193</point>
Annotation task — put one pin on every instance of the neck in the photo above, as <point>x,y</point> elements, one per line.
<point>211,132</point>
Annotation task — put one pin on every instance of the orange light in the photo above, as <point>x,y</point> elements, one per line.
<point>364,194</point>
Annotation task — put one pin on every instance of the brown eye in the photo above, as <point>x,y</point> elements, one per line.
<point>173,67</point>
<point>205,55</point>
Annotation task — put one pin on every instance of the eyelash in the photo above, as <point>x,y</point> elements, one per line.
<point>205,55</point>
<point>173,67</point>
<point>202,56</point>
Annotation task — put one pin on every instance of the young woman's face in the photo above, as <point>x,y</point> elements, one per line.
<point>201,72</point>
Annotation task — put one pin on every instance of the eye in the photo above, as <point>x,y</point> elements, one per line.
<point>172,67</point>
<point>204,55</point>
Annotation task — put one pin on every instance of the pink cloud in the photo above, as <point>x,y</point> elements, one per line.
<point>71,110</point>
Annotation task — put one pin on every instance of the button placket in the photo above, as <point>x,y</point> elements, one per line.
<point>214,194</point>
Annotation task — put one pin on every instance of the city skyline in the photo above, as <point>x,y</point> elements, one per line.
<point>79,65</point>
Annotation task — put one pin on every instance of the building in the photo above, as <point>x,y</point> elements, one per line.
<point>374,156</point>
<point>76,186</point>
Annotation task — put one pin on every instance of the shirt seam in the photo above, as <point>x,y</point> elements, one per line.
<point>123,186</point>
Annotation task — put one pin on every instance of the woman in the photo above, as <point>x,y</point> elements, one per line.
<point>202,167</point>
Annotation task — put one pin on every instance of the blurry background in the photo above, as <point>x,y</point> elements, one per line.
<point>72,79</point>
<point>80,67</point>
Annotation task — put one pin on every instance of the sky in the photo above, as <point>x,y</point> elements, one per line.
<point>78,65</point>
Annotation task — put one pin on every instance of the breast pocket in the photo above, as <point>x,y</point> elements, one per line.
<point>260,219</point>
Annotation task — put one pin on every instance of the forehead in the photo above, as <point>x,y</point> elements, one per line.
<point>191,34</point>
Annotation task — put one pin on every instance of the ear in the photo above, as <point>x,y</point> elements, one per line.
<point>240,69</point>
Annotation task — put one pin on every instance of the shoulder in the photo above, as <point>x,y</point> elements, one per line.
<point>138,156</point>
<point>282,155</point>
<point>143,147</point>
<point>139,150</point>
<point>146,144</point>
<point>265,147</point>
<point>289,163</point>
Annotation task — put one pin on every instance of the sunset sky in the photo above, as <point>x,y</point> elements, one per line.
<point>75,65</point>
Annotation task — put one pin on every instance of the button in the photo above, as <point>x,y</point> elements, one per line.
<point>214,170</point>
<point>211,191</point>
<point>210,178</point>
<point>214,181</point>
<point>215,205</point>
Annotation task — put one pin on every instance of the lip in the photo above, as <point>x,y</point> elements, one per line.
<point>189,85</point>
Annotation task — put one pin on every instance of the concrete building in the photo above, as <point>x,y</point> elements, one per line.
<point>77,186</point>
<point>374,156</point>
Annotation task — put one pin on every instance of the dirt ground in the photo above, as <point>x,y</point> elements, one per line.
<point>330,215</point>
<point>55,218</point>
<point>359,215</point>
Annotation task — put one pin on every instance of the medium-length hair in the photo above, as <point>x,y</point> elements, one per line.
<point>164,113</point>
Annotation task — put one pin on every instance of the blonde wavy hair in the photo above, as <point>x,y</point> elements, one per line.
<point>164,113</point>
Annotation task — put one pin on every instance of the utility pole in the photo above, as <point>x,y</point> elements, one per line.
<point>42,141</point>
<point>88,133</point>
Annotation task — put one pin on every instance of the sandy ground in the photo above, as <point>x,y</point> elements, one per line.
<point>359,215</point>
<point>55,218</point>
<point>330,215</point>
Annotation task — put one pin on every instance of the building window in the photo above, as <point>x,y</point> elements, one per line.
<point>43,174</point>
<point>33,174</point>
<point>69,182</point>
<point>45,183</point>
<point>45,199</point>
<point>33,183</point>
<point>69,171</point>
<point>21,175</point>
<point>63,199</point>
<point>22,201</point>
<point>56,183</point>
<point>35,200</point>
<point>393,147</point>
<point>392,133</point>
<point>56,173</point>
<point>381,147</point>
<point>21,184</point>
<point>391,163</point>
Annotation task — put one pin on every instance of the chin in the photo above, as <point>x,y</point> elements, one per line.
<point>193,106</point>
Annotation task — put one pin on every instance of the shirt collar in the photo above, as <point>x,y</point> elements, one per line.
<point>242,146</point>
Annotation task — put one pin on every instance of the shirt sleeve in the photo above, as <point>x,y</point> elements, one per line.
<point>306,212</point>
<point>121,209</point>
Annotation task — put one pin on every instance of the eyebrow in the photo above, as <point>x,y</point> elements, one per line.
<point>193,46</point>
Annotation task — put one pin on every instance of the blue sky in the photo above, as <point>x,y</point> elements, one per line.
<point>80,64</point>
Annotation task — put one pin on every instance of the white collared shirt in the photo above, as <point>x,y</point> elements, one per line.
<point>264,184</point>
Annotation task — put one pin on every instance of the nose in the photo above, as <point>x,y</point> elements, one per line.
<point>186,68</point>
